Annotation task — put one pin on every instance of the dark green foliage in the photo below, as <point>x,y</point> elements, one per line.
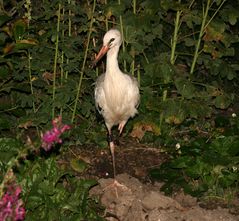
<point>54,194</point>
<point>203,165</point>
<point>46,49</point>
<point>29,51</point>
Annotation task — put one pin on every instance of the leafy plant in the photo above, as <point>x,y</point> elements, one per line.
<point>54,194</point>
<point>203,167</point>
<point>49,192</point>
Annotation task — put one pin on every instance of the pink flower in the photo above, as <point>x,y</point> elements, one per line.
<point>53,136</point>
<point>11,207</point>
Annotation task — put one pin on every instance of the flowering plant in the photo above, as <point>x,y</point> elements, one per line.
<point>11,205</point>
<point>50,137</point>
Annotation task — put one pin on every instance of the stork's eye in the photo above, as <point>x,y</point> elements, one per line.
<point>111,40</point>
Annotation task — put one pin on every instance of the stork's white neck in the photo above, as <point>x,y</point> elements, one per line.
<point>112,66</point>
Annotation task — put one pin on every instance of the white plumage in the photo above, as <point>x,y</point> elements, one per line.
<point>116,94</point>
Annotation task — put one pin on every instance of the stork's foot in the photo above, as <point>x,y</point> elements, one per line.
<point>116,185</point>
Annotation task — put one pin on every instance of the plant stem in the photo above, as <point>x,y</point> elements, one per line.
<point>69,20</point>
<point>133,62</point>
<point>122,34</point>
<point>55,61</point>
<point>69,34</point>
<point>62,55</point>
<point>175,36</point>
<point>147,60</point>
<point>138,74</point>
<point>214,14</point>
<point>165,93</point>
<point>83,65</point>
<point>30,80</point>
<point>106,19</point>
<point>134,6</point>
<point>133,50</point>
<point>29,58</point>
<point>201,33</point>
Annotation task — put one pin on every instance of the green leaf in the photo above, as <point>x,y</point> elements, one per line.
<point>222,121</point>
<point>78,165</point>
<point>222,101</point>
<point>34,201</point>
<point>19,29</point>
<point>181,162</point>
<point>233,150</point>
<point>166,71</point>
<point>173,111</point>
<point>160,71</point>
<point>230,14</point>
<point>4,72</point>
<point>173,5</point>
<point>4,124</point>
<point>4,19</point>
<point>228,179</point>
<point>24,44</point>
<point>233,18</point>
<point>214,31</point>
<point>185,88</point>
<point>229,39</point>
<point>113,9</point>
<point>192,18</point>
<point>9,145</point>
<point>151,6</point>
<point>189,42</point>
<point>198,169</point>
<point>3,39</point>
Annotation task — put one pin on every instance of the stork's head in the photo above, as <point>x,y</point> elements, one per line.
<point>111,39</point>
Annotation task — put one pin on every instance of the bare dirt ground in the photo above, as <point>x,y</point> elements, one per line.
<point>139,199</point>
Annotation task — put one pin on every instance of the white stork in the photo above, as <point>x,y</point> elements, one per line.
<point>116,93</point>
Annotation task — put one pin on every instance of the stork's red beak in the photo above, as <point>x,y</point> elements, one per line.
<point>102,52</point>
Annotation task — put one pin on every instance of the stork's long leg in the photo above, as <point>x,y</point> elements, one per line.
<point>115,184</point>
<point>112,145</point>
<point>112,150</point>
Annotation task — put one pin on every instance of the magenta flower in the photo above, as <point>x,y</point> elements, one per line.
<point>52,136</point>
<point>11,207</point>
